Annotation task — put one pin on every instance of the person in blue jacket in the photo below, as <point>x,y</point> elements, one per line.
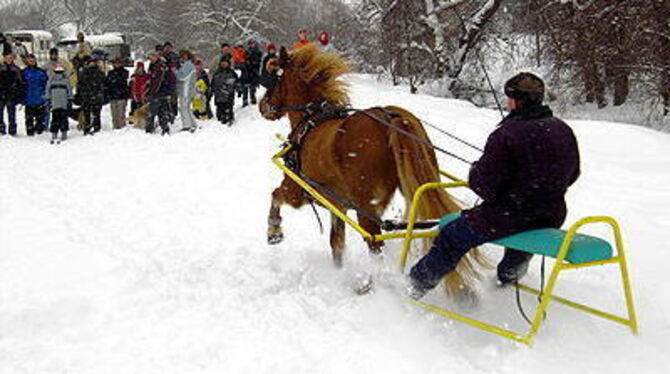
<point>35,80</point>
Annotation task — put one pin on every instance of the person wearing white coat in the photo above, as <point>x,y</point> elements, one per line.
<point>186,77</point>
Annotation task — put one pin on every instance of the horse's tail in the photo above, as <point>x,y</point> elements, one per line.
<point>416,165</point>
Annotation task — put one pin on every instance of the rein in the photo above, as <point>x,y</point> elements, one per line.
<point>313,119</point>
<point>321,111</point>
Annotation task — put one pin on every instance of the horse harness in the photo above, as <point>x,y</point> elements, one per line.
<point>315,113</point>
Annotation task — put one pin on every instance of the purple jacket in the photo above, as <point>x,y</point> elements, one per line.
<point>528,164</point>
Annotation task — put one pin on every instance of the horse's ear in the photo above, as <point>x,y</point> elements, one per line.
<point>284,59</point>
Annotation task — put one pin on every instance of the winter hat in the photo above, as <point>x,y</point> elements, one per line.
<point>271,46</point>
<point>526,87</point>
<point>140,65</point>
<point>152,54</point>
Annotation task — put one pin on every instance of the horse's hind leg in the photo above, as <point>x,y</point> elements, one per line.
<point>337,237</point>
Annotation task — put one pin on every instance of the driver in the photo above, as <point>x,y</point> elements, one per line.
<point>528,164</point>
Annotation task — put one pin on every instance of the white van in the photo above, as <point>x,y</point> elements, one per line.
<point>37,42</point>
<point>112,44</point>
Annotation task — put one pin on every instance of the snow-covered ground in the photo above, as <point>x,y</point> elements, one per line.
<point>128,253</point>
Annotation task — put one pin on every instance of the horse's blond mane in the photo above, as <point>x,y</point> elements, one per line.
<point>321,71</point>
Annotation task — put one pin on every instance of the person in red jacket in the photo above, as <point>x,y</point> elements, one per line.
<point>138,87</point>
<point>302,39</point>
<point>239,55</point>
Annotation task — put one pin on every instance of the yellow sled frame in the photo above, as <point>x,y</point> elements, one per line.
<point>546,295</point>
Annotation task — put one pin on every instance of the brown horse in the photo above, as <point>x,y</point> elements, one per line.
<point>355,157</point>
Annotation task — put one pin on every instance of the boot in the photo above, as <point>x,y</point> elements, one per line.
<point>63,136</point>
<point>54,137</point>
<point>513,266</point>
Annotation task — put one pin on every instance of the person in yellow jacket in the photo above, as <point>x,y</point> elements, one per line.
<point>200,102</point>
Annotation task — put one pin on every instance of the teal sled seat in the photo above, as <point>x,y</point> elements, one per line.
<point>547,242</point>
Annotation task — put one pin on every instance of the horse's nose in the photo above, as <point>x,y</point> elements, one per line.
<point>264,108</point>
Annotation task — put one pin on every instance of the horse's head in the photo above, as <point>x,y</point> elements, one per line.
<point>301,77</point>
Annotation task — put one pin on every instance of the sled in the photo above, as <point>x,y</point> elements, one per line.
<point>570,250</point>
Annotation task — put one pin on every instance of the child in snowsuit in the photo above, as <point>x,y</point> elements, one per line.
<point>35,80</point>
<point>59,97</point>
<point>200,103</point>
<point>224,84</point>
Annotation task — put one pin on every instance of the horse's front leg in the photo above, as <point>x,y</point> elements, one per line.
<point>337,238</point>
<point>275,232</point>
<point>289,193</point>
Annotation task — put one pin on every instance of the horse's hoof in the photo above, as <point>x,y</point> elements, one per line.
<point>275,238</point>
<point>364,285</point>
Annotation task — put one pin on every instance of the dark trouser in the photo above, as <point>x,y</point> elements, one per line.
<point>248,91</point>
<point>11,117</point>
<point>224,112</point>
<point>452,243</point>
<point>34,119</point>
<point>59,121</point>
<point>209,104</point>
<point>46,119</point>
<point>174,106</point>
<point>159,107</point>
<point>92,117</point>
